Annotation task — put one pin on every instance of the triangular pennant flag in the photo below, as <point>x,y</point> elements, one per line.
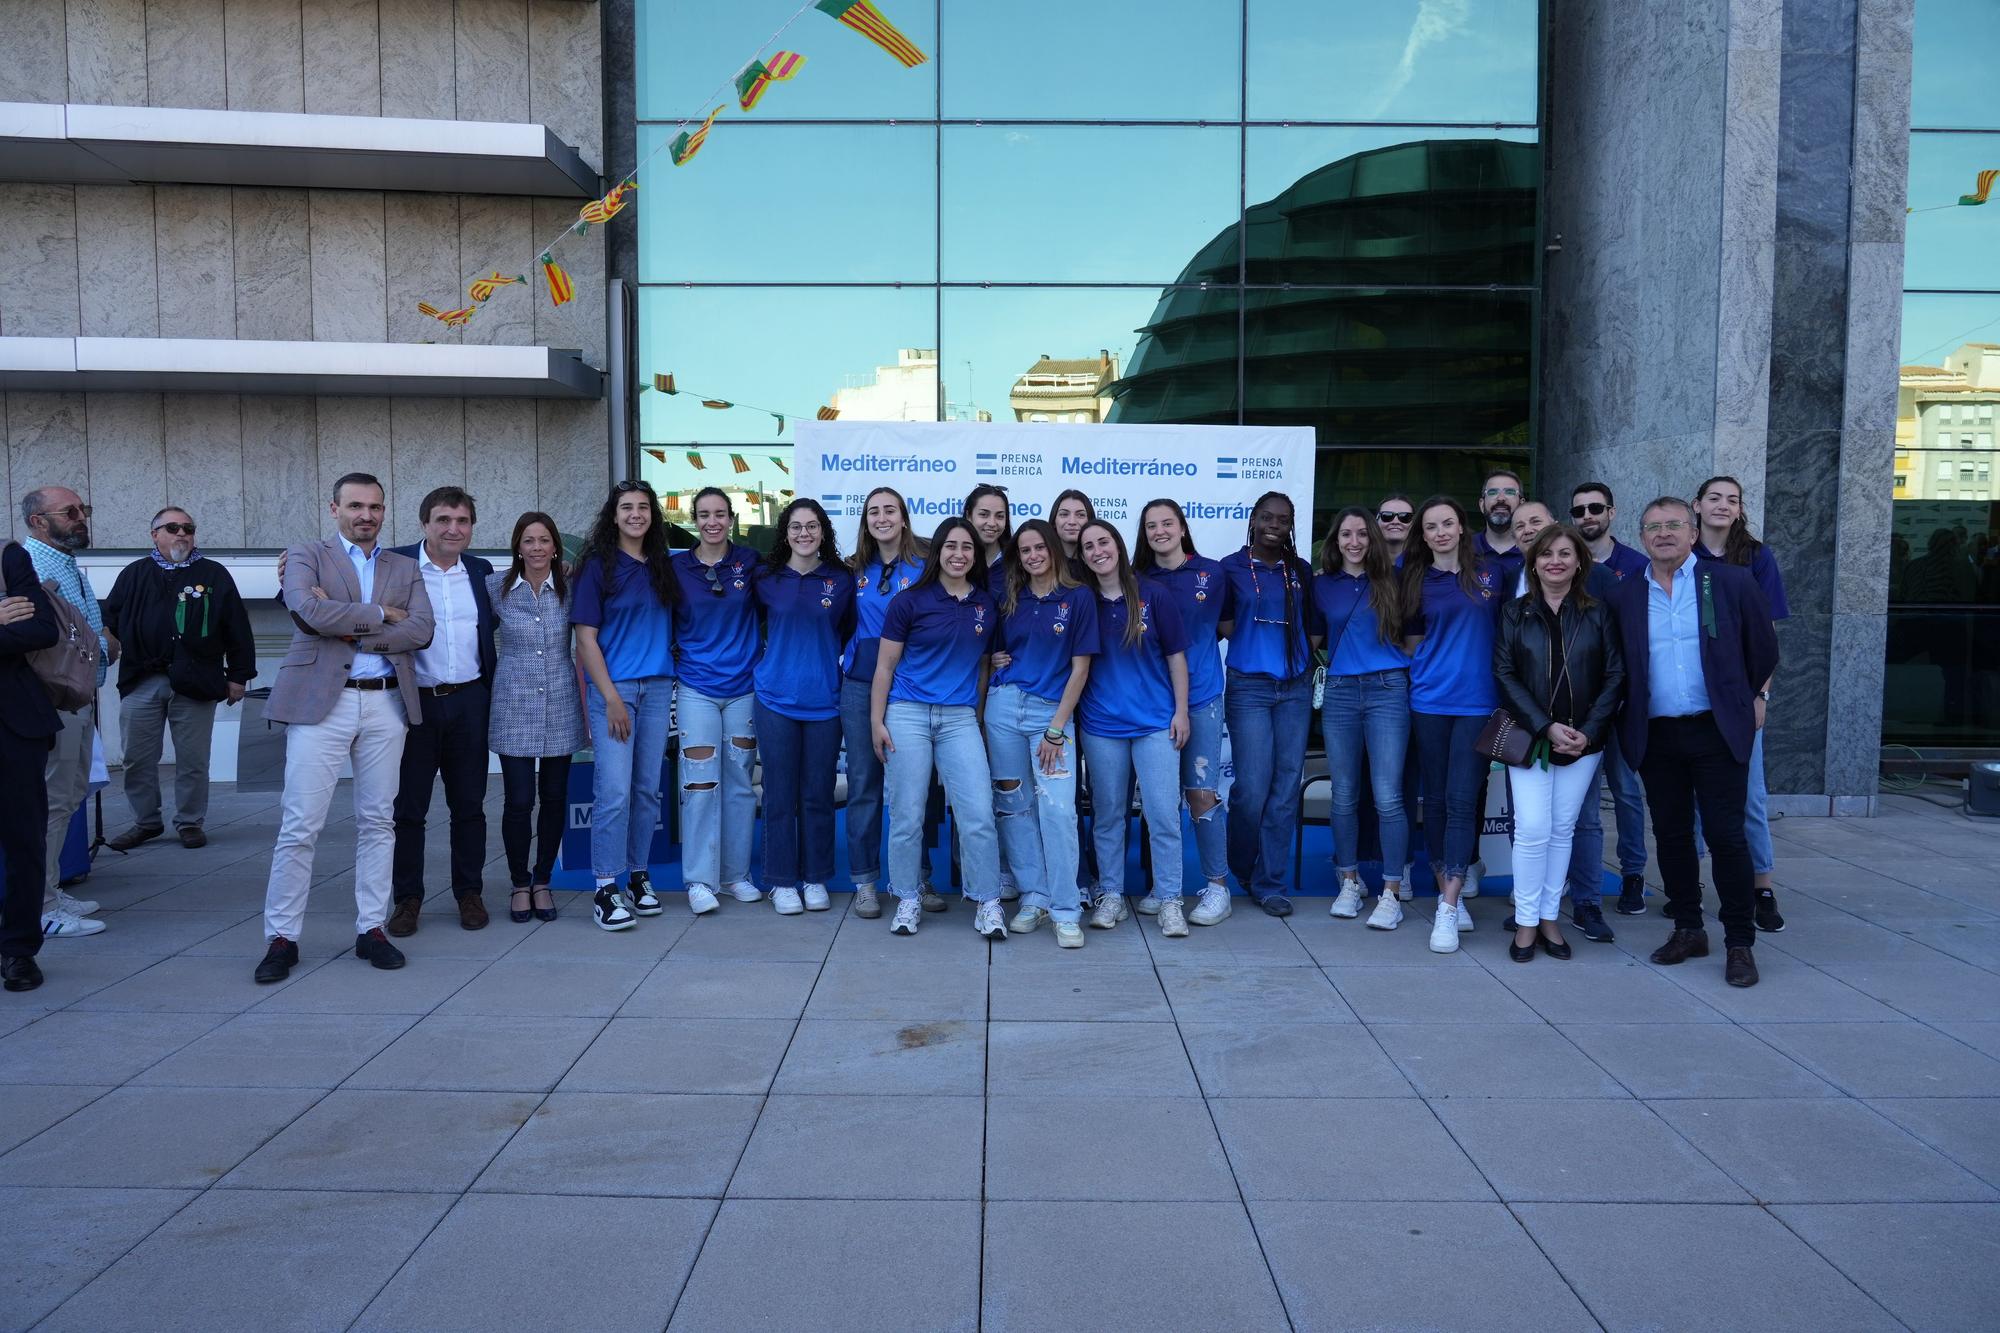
<point>757,77</point>
<point>753,497</point>
<point>672,499</point>
<point>1985,188</point>
<point>607,208</point>
<point>561,289</point>
<point>482,288</point>
<point>659,455</point>
<point>739,462</point>
<point>781,421</point>
<point>867,20</point>
<point>694,461</point>
<point>829,413</point>
<point>688,142</point>
<point>451,318</point>
<point>781,462</point>
<point>665,382</point>
<point>717,403</point>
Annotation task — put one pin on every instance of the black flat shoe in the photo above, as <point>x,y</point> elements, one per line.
<point>1556,949</point>
<point>1520,953</point>
<point>520,915</point>
<point>545,913</point>
<point>1276,904</point>
<point>279,960</point>
<point>20,974</point>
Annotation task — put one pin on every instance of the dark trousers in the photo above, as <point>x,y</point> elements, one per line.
<point>451,740</point>
<point>800,758</point>
<point>1454,775</point>
<point>24,830</point>
<point>525,781</point>
<point>1687,767</point>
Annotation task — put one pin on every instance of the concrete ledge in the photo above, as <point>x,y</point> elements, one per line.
<point>1822,807</point>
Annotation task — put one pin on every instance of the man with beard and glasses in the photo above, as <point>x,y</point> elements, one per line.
<point>188,647</point>
<point>1499,496</point>
<point>1593,510</point>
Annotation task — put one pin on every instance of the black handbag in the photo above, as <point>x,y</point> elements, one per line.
<point>1504,740</point>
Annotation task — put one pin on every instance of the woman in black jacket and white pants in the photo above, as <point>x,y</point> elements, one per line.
<point>1561,672</point>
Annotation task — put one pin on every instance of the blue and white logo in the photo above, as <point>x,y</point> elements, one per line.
<point>986,465</point>
<point>1225,469</point>
<point>834,501</point>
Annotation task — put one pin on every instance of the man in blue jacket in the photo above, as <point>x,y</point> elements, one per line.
<point>1698,646</point>
<point>28,726</point>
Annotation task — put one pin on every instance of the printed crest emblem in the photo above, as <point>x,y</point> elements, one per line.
<point>861,583</point>
<point>826,601</point>
<point>739,584</point>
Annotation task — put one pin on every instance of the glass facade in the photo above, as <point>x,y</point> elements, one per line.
<point>1301,212</point>
<point>1943,679</point>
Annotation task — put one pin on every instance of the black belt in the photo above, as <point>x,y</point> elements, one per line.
<point>373,683</point>
<point>440,691</point>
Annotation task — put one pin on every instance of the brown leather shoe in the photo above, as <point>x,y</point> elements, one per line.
<point>1681,946</point>
<point>403,921</point>
<point>472,912</point>
<point>1740,968</point>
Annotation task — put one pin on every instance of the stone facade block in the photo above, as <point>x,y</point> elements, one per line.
<point>266,71</point>
<point>186,59</point>
<point>280,471</point>
<point>498,233</point>
<point>38,283</point>
<point>492,60</point>
<point>427,450</point>
<point>418,59</point>
<point>349,240</point>
<point>128,466</point>
<point>203,435</point>
<point>353,437</point>
<point>106,51</point>
<point>421,241</point>
<point>37,65</point>
<point>46,446</point>
<point>194,232</point>
<point>119,287</point>
<point>343,57</point>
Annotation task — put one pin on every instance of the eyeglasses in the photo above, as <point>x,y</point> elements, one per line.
<point>1495,492</point>
<point>176,529</point>
<point>627,487</point>
<point>73,513</point>
<point>1665,525</point>
<point>1395,516</point>
<point>1593,509</point>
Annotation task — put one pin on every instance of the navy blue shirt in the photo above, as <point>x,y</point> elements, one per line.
<point>873,590</point>
<point>1042,635</point>
<point>634,632</point>
<point>716,623</point>
<point>1507,564</point>
<point>1623,562</point>
<point>1452,672</point>
<point>944,640</point>
<point>1353,634</point>
<point>1201,594</point>
<point>807,617</point>
<point>1130,692</point>
<point>1764,569</point>
<point>1262,642</point>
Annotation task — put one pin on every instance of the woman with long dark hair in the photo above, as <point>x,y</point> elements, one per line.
<point>1365,712</point>
<point>807,598</point>
<point>1070,512</point>
<point>1396,515</point>
<point>623,608</point>
<point>986,508</point>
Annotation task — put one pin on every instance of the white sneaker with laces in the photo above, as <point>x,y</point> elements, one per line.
<point>1444,929</point>
<point>1388,913</point>
<point>58,924</point>
<point>1406,892</point>
<point>701,899</point>
<point>75,906</point>
<point>1110,911</point>
<point>990,921</point>
<point>1148,905</point>
<point>642,899</point>
<point>908,912</point>
<point>1173,919</point>
<point>1009,890</point>
<point>815,896</point>
<point>1465,921</point>
<point>1473,873</point>
<point>1026,920</point>
<point>1213,906</point>
<point>1069,935</point>
<point>743,891</point>
<point>786,900</point>
<point>1348,904</point>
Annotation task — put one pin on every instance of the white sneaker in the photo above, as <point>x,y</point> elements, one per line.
<point>1348,904</point>
<point>701,899</point>
<point>56,924</point>
<point>1465,921</point>
<point>815,896</point>
<point>1069,935</point>
<point>74,906</point>
<point>642,899</point>
<point>990,921</point>
<point>610,911</point>
<point>1444,929</point>
<point>1148,905</point>
<point>1388,913</point>
<point>786,900</point>
<point>1173,919</point>
<point>1405,893</point>
<point>1213,906</point>
<point>1009,890</point>
<point>1110,911</point>
<point>908,912</point>
<point>1026,920</point>
<point>743,891</point>
<point>1472,876</point>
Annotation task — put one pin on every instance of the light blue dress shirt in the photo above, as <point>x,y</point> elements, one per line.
<point>367,666</point>
<point>1673,639</point>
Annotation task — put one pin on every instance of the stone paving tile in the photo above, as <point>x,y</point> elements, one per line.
<point>694,988</point>
<point>1088,1060</point>
<point>70,973</point>
<point>159,1138</point>
<point>1788,991</point>
<point>258,1050</point>
<point>445,1052</point>
<point>1583,1150</point>
<point>347,985</point>
<point>1326,1148</point>
<point>1975,942</point>
<point>1111,1148</point>
<point>1848,940</point>
<point>1886,1059</point>
<point>1291,1060</point>
<point>161,933</point>
<point>245,941</point>
<point>187,985</point>
<point>1245,938</point>
<point>1937,991</point>
<point>573,935</point>
<point>1965,1129</point>
<point>826,1147</point>
<point>681,1055</point>
<point>75,1235</point>
<point>548,986</point>
<point>1429,995</point>
<point>918,989</point>
<point>26,1109</point>
<point>752,932</point>
<point>1214,994</point>
<point>940,936</point>
<point>1694,1060</point>
<point>1094,993</point>
<point>1932,1265</point>
<point>1983,1037</point>
<point>608,1143</point>
<point>1336,943</point>
<point>1493,1060</point>
<point>96,1048</point>
<point>1630,992</point>
<point>370,1140</point>
<point>932,1059</point>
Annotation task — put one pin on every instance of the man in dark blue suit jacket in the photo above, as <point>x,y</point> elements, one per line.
<point>1698,647</point>
<point>28,723</point>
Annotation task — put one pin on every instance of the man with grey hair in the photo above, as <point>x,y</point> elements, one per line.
<point>188,647</point>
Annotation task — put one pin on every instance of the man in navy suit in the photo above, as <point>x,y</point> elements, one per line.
<point>1698,647</point>
<point>28,725</point>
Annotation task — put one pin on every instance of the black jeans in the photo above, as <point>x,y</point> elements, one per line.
<point>1688,766</point>
<point>24,830</point>
<point>523,787</point>
<point>451,740</point>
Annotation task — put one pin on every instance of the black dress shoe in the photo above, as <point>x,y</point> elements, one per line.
<point>192,837</point>
<point>1521,953</point>
<point>1556,949</point>
<point>19,974</point>
<point>1590,923</point>
<point>375,947</point>
<point>1632,896</point>
<point>1766,913</point>
<point>1740,967</point>
<point>1276,904</point>
<point>520,914</point>
<point>279,960</point>
<point>1681,946</point>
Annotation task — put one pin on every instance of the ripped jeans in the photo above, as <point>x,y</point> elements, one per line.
<point>1201,771</point>
<point>1036,811</point>
<point>718,805</point>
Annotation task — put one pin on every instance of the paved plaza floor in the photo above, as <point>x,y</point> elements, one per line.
<point>755,1122</point>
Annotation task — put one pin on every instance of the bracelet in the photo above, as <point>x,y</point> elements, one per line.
<point>1054,737</point>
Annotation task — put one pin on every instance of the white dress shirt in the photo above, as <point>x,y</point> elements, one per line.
<point>453,655</point>
<point>367,666</point>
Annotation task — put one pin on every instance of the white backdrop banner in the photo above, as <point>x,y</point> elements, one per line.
<point>1216,472</point>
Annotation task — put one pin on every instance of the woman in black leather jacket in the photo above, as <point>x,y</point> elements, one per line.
<point>1560,671</point>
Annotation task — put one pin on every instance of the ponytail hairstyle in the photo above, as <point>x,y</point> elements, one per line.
<point>1146,562</point>
<point>934,557</point>
<point>1418,556</point>
<point>781,543</point>
<point>1384,595</point>
<point>1297,574</point>
<point>867,550</point>
<point>1128,582</point>
<point>980,492</point>
<point>1018,577</point>
<point>1738,546</point>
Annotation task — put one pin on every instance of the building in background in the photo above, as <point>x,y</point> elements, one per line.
<point>906,391</point>
<point>1071,391</point>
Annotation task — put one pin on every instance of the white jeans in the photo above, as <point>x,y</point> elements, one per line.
<point>1546,804</point>
<point>369,726</point>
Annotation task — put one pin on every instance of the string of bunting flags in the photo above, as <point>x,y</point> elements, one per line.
<point>1982,190</point>
<point>664,383</point>
<point>737,462</point>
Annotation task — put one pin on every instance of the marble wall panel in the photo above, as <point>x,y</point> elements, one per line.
<point>353,437</point>
<point>500,464</point>
<point>565,74</point>
<point>265,45</point>
<point>128,466</point>
<point>1815,130</point>
<point>118,283</point>
<point>1795,737</point>
<point>38,283</point>
<point>194,239</point>
<point>581,322</point>
<point>1858,647</point>
<point>1885,26</point>
<point>343,57</point>
<point>1881,152</point>
<point>46,446</point>
<point>1743,358</point>
<point>1756,25</point>
<point>204,453</point>
<point>106,51</point>
<point>1696,26</point>
<point>421,238</point>
<point>1809,335</point>
<point>281,499</point>
<point>349,239</point>
<point>427,450</point>
<point>1821,27</point>
<point>418,58</point>
<point>1750,146</point>
<point>1874,334</point>
<point>498,233</point>
<point>617,38</point>
<point>572,443</point>
<point>37,64</point>
<point>492,59</point>
<point>1799,517</point>
<point>1866,518</point>
<point>185,61</point>
<point>1734,451</point>
<point>273,264</point>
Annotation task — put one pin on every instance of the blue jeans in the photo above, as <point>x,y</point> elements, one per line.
<point>799,761</point>
<point>1201,769</point>
<point>1269,724</point>
<point>625,796</point>
<point>1586,849</point>
<point>944,739</point>
<point>864,789</point>
<point>1368,714</point>
<point>718,804</point>
<point>1454,775</point>
<point>1628,796</point>
<point>1756,816</point>
<point>1035,811</point>
<point>1113,762</point>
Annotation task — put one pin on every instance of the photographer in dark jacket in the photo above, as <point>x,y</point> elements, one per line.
<point>188,647</point>
<point>28,725</point>
<point>1560,670</point>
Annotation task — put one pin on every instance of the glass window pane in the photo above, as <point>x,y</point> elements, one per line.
<point>1057,60</point>
<point>1391,206</point>
<point>792,203</point>
<point>1953,88</point>
<point>1039,203</point>
<point>687,57</point>
<point>1363,477</point>
<point>1947,244</point>
<point>1394,60</point>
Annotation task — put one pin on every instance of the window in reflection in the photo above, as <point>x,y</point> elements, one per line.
<point>1364,476</point>
<point>1057,60</point>
<point>1414,60</point>
<point>1953,87</point>
<point>684,49</point>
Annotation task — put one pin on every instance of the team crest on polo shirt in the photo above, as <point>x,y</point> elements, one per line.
<point>1145,617</point>
<point>979,617</point>
<point>1201,585</point>
<point>826,588</point>
<point>1062,617</point>
<point>1485,583</point>
<point>861,583</point>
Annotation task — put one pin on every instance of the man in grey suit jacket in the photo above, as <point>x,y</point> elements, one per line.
<point>347,691</point>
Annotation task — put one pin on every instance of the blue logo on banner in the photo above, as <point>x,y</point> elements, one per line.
<point>834,501</point>
<point>986,465</point>
<point>1225,469</point>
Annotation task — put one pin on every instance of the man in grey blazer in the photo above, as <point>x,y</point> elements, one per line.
<point>347,691</point>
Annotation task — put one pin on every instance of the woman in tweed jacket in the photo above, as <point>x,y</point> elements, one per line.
<point>537,716</point>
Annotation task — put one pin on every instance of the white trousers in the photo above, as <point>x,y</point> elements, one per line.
<point>1546,805</point>
<point>367,726</point>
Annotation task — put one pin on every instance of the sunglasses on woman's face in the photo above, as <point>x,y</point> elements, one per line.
<point>1395,515</point>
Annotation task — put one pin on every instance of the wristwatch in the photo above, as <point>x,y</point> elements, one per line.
<point>1765,695</point>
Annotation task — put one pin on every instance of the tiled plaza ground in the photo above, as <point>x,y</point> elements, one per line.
<point>750,1122</point>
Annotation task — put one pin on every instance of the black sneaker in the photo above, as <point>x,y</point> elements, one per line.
<point>1590,924</point>
<point>608,908</point>
<point>279,960</point>
<point>1276,904</point>
<point>1768,919</point>
<point>375,947</point>
<point>644,901</point>
<point>1632,896</point>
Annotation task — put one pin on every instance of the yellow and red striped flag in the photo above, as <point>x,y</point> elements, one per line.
<point>757,77</point>
<point>739,462</point>
<point>688,142</point>
<point>829,414</point>
<point>867,20</point>
<point>660,455</point>
<point>607,208</point>
<point>717,403</point>
<point>1980,195</point>
<point>451,318</point>
<point>482,288</point>
<point>781,462</point>
<point>561,289</point>
<point>665,384</point>
<point>694,461</point>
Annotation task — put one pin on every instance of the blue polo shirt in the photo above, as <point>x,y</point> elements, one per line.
<point>996,578</point>
<point>1623,562</point>
<point>1764,569</point>
<point>943,641</point>
<point>1507,564</point>
<point>874,588</point>
<point>1452,672</point>
<point>1042,635</point>
<point>716,623</point>
<point>1200,592</point>
<point>1130,693</point>
<point>807,617</point>
<point>634,632</point>
<point>1353,635</point>
<point>1260,632</point>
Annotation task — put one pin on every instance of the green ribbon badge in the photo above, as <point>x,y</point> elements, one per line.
<point>1707,607</point>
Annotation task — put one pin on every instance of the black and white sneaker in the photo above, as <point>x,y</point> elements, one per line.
<point>611,912</point>
<point>644,901</point>
<point>1632,896</point>
<point>1767,915</point>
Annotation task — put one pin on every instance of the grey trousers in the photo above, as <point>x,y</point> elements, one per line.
<point>68,775</point>
<point>145,714</point>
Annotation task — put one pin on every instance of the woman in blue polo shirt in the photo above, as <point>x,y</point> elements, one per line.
<point>986,508</point>
<point>1134,722</point>
<point>1070,512</point>
<point>715,628</point>
<point>1268,698</point>
<point>807,597</point>
<point>1451,604</point>
<point>888,560</point>
<point>1365,714</point>
<point>1200,594</point>
<point>1048,633</point>
<point>930,675</point>
<point>622,606</point>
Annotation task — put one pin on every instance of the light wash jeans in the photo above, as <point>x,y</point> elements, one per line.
<point>1368,715</point>
<point>1270,722</point>
<point>944,737</point>
<point>1113,762</point>
<point>1201,770</point>
<point>625,783</point>
<point>1756,816</point>
<point>1546,805</point>
<point>1037,817</point>
<point>718,804</point>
